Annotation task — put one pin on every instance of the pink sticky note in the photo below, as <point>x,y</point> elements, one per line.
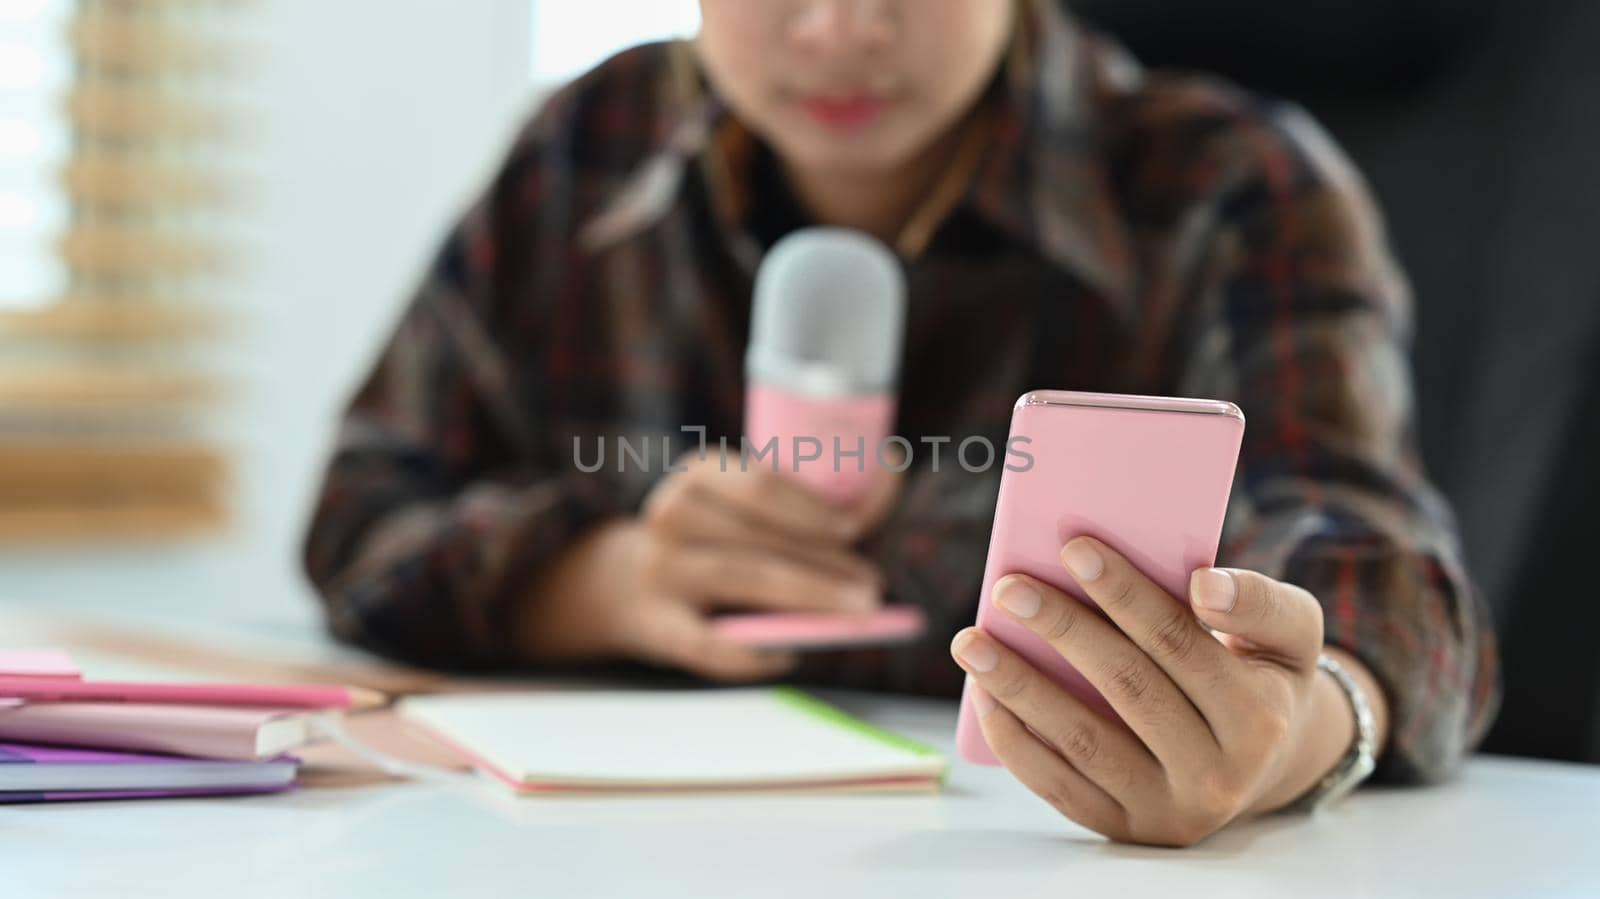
<point>41,663</point>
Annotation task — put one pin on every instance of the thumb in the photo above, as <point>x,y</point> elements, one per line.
<point>1267,616</point>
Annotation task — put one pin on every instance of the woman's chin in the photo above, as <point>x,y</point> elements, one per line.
<point>854,156</point>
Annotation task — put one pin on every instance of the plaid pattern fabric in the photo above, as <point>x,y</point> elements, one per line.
<point>1123,231</point>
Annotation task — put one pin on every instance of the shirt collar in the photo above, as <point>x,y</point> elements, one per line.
<point>1043,178</point>
<point>1046,180</point>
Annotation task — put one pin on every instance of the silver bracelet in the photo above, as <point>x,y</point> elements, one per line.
<point>1357,764</point>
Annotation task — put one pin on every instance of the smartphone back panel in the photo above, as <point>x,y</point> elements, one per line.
<point>1149,476</point>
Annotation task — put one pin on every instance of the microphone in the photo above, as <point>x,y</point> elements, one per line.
<point>824,358</point>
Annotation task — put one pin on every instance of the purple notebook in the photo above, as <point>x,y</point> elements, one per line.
<point>19,798</point>
<point>47,773</point>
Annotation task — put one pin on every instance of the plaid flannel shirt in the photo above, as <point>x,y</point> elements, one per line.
<point>1122,230</point>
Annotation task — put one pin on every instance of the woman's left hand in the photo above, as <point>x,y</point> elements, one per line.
<point>1217,726</point>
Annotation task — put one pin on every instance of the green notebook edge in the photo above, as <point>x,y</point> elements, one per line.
<point>802,701</point>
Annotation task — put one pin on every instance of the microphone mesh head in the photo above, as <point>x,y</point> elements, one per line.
<point>828,316</point>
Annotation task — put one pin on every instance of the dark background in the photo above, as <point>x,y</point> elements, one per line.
<point>1477,123</point>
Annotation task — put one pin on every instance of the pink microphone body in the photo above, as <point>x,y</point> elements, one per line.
<point>824,359</point>
<point>856,423</point>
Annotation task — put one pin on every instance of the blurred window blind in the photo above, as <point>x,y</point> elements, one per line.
<point>112,118</point>
<point>570,36</point>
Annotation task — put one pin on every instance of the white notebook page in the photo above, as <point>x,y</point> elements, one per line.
<point>669,738</point>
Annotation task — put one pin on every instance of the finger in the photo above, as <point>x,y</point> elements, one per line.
<point>1044,772</point>
<point>675,634</point>
<point>772,498</point>
<point>1105,753</point>
<point>1143,695</point>
<point>687,514</point>
<point>1273,618</point>
<point>1158,623</point>
<point>870,510</point>
<point>750,578</point>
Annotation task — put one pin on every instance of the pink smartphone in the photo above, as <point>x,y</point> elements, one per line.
<point>1149,476</point>
<point>815,632</point>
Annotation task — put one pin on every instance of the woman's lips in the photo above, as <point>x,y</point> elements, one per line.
<point>844,113</point>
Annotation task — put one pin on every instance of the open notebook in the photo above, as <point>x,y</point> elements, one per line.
<point>653,741</point>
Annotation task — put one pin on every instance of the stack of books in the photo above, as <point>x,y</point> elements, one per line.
<point>63,737</point>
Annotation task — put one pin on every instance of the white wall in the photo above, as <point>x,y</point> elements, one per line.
<point>376,121</point>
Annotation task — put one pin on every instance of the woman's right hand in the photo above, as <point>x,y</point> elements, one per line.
<point>706,540</point>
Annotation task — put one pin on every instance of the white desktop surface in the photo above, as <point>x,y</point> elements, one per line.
<point>1505,828</point>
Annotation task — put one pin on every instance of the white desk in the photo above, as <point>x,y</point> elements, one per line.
<point>1506,828</point>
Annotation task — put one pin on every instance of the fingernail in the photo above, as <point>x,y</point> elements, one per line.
<point>861,599</point>
<point>976,651</point>
<point>1083,560</point>
<point>1213,589</point>
<point>1019,598</point>
<point>982,702</point>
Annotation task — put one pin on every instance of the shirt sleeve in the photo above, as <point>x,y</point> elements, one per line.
<point>441,504</point>
<point>1303,320</point>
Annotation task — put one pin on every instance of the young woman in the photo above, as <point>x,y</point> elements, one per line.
<point>1066,221</point>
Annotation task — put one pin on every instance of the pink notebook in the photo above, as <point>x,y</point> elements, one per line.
<point>35,666</point>
<point>217,732</point>
<point>38,663</point>
<point>49,675</point>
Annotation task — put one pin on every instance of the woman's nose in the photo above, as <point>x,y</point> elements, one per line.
<point>832,26</point>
